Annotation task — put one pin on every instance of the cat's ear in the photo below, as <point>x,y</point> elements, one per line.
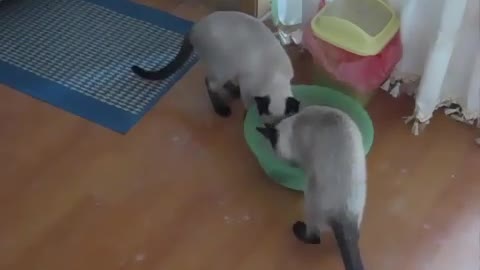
<point>292,106</point>
<point>270,133</point>
<point>262,104</point>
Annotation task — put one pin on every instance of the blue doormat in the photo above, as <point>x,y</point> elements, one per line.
<point>77,55</point>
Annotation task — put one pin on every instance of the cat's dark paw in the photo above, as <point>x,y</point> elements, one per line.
<point>300,231</point>
<point>219,105</point>
<point>232,89</point>
<point>223,111</point>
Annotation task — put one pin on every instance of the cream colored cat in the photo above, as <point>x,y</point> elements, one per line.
<point>239,49</point>
<point>327,145</point>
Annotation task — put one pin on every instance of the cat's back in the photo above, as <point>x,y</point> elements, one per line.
<point>328,136</point>
<point>335,161</point>
<point>326,121</point>
<point>237,37</point>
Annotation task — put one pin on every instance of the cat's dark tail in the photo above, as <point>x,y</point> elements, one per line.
<point>185,52</point>
<point>347,235</point>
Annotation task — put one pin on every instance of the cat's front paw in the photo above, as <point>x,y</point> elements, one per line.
<point>232,89</point>
<point>300,231</point>
<point>219,105</point>
<point>223,111</point>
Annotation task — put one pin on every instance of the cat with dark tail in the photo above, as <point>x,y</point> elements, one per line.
<point>242,59</point>
<point>183,55</point>
<point>327,144</point>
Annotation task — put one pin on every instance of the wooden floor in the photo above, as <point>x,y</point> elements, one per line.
<point>181,191</point>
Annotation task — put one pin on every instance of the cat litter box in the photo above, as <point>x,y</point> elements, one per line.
<point>277,169</point>
<point>355,43</point>
<point>363,27</point>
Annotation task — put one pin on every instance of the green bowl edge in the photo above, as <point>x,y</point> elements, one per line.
<point>272,165</point>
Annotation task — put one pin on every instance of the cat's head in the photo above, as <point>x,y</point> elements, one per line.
<point>273,108</point>
<point>279,137</point>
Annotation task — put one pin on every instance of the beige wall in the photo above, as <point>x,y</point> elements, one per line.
<point>263,6</point>
<point>224,4</point>
<point>254,7</point>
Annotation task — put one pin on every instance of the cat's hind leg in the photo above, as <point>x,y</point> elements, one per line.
<point>219,103</point>
<point>305,233</point>
<point>308,231</point>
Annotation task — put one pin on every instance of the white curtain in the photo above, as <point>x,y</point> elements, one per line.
<point>441,41</point>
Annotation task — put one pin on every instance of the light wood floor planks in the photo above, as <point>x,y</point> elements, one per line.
<point>181,191</point>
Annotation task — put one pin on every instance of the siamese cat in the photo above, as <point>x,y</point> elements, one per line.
<point>243,59</point>
<point>327,145</point>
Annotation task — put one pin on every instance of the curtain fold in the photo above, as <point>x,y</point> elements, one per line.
<point>441,42</point>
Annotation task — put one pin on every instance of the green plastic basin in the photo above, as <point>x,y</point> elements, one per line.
<point>277,169</point>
